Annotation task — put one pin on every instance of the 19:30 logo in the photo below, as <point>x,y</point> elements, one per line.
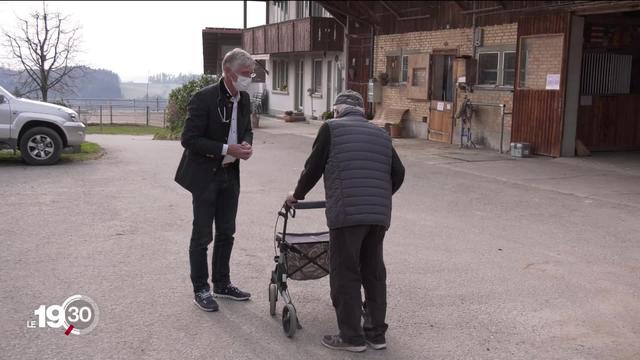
<point>78,315</point>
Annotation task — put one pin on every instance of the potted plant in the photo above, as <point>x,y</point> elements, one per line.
<point>289,116</point>
<point>327,115</point>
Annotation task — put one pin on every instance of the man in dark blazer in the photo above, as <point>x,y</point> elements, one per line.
<point>217,133</point>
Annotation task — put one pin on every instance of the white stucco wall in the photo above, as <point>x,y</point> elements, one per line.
<point>281,102</point>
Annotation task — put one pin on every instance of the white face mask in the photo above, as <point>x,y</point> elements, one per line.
<point>242,84</point>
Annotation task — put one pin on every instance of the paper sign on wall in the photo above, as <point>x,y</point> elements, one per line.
<point>553,82</point>
<point>440,106</point>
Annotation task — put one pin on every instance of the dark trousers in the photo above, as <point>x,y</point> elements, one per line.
<point>219,203</point>
<point>356,259</point>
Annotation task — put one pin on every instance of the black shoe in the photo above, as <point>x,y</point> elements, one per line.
<point>335,342</point>
<point>204,300</point>
<point>231,292</point>
<point>377,344</point>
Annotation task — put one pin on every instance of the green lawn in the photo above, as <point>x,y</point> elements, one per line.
<point>88,151</point>
<point>123,129</point>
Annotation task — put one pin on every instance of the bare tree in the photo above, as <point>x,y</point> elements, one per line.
<point>45,46</point>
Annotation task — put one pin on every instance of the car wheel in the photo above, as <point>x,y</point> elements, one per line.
<point>41,146</point>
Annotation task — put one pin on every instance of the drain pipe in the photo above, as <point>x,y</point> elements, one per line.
<point>501,126</point>
<point>371,70</point>
<point>473,31</point>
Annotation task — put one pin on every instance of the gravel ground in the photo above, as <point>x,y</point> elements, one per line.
<point>488,258</point>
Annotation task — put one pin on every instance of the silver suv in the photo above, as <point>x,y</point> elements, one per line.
<point>39,130</point>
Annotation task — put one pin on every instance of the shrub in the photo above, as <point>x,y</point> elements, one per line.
<point>179,99</point>
<point>327,115</point>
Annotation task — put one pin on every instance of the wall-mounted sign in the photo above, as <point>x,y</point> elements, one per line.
<point>440,106</point>
<point>553,82</point>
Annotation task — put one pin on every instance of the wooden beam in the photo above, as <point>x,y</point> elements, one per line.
<point>366,10</point>
<point>460,5</point>
<point>493,8</point>
<point>388,7</point>
<point>333,8</point>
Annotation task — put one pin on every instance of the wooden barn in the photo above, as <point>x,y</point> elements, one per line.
<point>555,74</point>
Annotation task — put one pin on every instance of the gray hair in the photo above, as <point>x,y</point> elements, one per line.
<point>237,57</point>
<point>341,108</point>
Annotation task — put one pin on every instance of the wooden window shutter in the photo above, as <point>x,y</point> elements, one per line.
<point>418,77</point>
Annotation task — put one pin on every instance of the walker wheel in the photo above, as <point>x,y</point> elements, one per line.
<point>273,298</point>
<point>289,320</point>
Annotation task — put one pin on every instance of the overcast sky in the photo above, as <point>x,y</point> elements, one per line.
<point>135,38</point>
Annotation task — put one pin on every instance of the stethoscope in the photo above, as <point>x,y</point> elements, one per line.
<point>223,113</point>
<point>223,117</point>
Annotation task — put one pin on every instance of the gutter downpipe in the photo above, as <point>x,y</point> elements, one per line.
<point>373,37</point>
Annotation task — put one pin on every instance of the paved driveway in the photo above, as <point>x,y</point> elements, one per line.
<point>487,259</point>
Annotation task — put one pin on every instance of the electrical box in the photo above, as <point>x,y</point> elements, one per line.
<point>374,91</point>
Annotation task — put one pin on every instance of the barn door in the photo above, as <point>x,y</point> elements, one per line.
<point>538,100</point>
<point>442,102</point>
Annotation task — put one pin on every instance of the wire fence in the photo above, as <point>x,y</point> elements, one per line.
<point>151,112</point>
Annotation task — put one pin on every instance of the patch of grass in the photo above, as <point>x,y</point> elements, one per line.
<point>122,129</point>
<point>88,151</point>
<point>165,134</point>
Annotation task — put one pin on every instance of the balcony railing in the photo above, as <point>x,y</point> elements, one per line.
<point>300,35</point>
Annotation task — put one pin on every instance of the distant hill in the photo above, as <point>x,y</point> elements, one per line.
<point>131,90</point>
<point>87,83</point>
<point>96,84</point>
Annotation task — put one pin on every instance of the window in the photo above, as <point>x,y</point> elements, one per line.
<point>508,68</point>
<point>280,75</point>
<point>259,71</point>
<point>496,68</point>
<point>318,10</point>
<point>442,77</point>
<point>397,68</point>
<point>302,9</point>
<point>280,11</point>
<point>488,68</point>
<point>317,77</point>
<point>405,69</point>
<point>339,78</point>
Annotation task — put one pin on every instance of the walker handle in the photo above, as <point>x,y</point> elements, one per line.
<point>305,205</point>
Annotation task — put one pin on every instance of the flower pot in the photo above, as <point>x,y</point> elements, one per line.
<point>395,131</point>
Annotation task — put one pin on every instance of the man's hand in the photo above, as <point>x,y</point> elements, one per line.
<point>291,200</point>
<point>240,151</point>
<point>247,146</point>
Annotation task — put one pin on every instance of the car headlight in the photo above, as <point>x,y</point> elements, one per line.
<point>73,116</point>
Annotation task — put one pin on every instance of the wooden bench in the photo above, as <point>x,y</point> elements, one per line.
<point>390,119</point>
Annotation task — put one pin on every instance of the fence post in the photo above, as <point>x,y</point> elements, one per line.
<point>164,118</point>
<point>147,115</point>
<point>100,118</point>
<point>111,114</point>
<point>157,104</point>
<point>134,105</point>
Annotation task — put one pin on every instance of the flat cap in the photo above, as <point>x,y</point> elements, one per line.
<point>349,97</point>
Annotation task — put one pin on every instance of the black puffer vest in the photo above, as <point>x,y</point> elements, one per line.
<point>357,176</point>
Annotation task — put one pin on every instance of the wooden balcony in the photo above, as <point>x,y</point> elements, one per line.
<point>299,36</point>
